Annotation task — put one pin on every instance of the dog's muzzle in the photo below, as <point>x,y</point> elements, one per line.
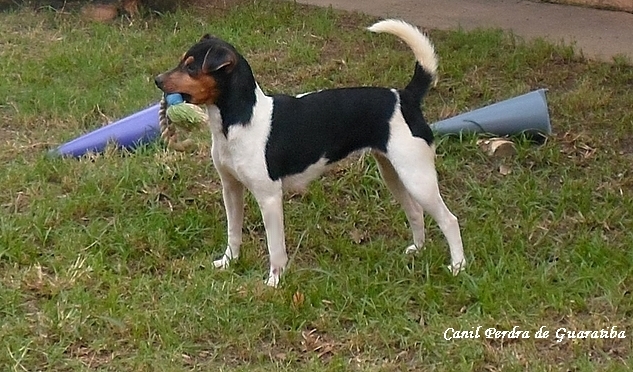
<point>158,80</point>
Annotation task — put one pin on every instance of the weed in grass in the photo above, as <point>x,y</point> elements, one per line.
<point>105,262</point>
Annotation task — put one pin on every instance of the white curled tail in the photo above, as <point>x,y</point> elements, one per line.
<point>418,42</point>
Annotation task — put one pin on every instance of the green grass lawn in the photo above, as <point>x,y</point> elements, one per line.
<point>105,262</point>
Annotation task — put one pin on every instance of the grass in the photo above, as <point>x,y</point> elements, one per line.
<point>105,261</point>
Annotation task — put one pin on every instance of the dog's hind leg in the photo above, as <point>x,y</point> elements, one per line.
<point>415,165</point>
<point>233,195</point>
<point>412,209</point>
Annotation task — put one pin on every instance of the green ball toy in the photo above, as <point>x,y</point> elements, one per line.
<point>183,114</point>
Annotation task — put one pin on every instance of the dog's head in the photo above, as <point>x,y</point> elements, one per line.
<point>201,72</point>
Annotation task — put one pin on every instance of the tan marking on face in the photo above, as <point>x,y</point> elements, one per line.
<point>201,88</point>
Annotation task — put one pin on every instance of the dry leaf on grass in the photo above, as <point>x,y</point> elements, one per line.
<point>504,170</point>
<point>497,147</point>
<point>298,299</point>
<point>358,236</point>
<point>313,342</point>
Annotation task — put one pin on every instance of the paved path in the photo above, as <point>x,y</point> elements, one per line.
<point>600,34</point>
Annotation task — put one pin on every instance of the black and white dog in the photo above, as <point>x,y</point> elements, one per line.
<point>270,143</point>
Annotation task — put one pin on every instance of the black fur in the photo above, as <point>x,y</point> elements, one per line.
<point>420,83</point>
<point>330,124</point>
<point>410,98</point>
<point>238,95</point>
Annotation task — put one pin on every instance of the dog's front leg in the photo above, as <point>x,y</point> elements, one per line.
<point>271,205</point>
<point>233,195</point>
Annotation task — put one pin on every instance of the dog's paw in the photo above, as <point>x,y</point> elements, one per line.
<point>274,276</point>
<point>222,263</point>
<point>457,267</point>
<point>273,281</point>
<point>411,249</point>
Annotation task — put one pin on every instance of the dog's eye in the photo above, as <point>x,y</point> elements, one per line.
<point>190,69</point>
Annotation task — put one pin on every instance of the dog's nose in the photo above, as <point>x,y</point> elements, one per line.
<point>159,81</point>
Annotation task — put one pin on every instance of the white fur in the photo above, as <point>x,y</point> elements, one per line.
<point>421,46</point>
<point>407,167</point>
<point>299,182</point>
<point>306,93</point>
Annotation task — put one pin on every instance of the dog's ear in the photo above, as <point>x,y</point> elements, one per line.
<point>205,37</point>
<point>219,58</point>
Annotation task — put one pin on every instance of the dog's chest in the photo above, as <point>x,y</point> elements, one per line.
<point>242,150</point>
<point>242,155</point>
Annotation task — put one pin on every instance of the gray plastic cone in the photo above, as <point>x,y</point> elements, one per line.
<point>523,114</point>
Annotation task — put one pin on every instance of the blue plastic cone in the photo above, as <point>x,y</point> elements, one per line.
<point>523,114</point>
<point>130,132</point>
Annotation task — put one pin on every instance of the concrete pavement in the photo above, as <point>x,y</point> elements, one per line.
<point>600,34</point>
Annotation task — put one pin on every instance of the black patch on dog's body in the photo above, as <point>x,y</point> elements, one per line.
<point>410,107</point>
<point>410,98</point>
<point>236,104</point>
<point>329,124</point>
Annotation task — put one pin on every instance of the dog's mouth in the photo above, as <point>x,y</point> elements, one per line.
<point>186,97</point>
<point>168,88</point>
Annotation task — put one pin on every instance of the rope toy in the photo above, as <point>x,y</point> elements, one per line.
<point>174,110</point>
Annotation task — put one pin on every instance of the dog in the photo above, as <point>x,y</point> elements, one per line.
<point>268,144</point>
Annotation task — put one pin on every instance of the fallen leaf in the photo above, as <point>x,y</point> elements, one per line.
<point>497,147</point>
<point>357,236</point>
<point>298,299</point>
<point>504,170</point>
